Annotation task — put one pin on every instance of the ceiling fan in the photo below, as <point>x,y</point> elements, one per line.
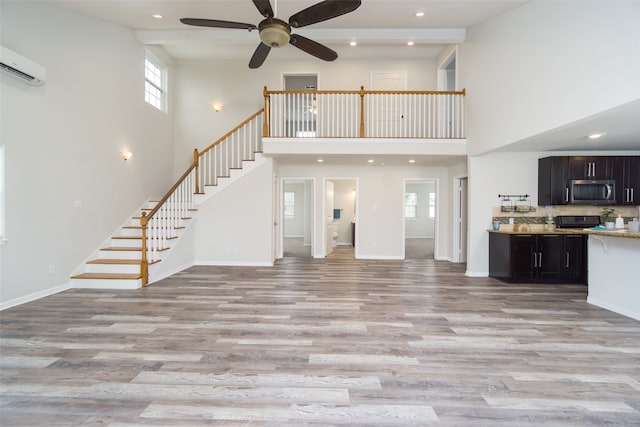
<point>275,32</point>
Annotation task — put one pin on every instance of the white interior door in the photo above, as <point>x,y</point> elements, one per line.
<point>387,115</point>
<point>277,235</point>
<point>328,214</point>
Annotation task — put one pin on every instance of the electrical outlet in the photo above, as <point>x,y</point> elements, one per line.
<point>52,269</point>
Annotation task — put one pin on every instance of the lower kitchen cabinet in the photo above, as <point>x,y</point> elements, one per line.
<point>541,258</point>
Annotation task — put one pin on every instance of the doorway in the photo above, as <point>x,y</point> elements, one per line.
<point>340,216</point>
<point>420,208</point>
<point>297,218</point>
<point>300,108</point>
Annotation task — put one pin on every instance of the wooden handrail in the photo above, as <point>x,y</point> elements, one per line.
<point>363,91</point>
<point>231,132</point>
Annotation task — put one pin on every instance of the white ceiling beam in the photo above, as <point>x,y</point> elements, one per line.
<point>361,35</point>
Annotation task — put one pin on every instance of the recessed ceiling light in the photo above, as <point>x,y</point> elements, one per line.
<point>411,43</point>
<point>595,135</point>
<point>157,16</point>
<point>420,14</point>
<point>320,160</point>
<point>412,161</point>
<point>370,161</point>
<point>353,43</point>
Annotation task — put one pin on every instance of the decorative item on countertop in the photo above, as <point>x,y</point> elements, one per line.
<point>608,215</point>
<point>619,221</point>
<point>496,225</point>
<point>549,224</point>
<point>634,226</point>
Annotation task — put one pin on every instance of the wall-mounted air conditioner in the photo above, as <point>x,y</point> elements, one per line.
<point>22,68</point>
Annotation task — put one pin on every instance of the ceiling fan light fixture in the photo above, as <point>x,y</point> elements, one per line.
<point>274,32</point>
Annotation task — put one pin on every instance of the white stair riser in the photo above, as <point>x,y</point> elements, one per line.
<point>127,243</point>
<point>130,232</point>
<point>105,284</point>
<point>120,254</point>
<point>112,268</point>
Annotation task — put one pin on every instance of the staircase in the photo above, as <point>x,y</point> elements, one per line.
<point>130,258</point>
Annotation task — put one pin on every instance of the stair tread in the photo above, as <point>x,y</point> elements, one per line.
<point>108,276</point>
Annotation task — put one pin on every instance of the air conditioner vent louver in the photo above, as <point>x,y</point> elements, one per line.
<point>11,70</point>
<point>22,68</point>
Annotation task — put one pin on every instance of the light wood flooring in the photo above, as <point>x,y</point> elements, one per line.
<point>320,342</point>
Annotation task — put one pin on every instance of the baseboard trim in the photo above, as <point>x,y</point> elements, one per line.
<point>614,307</point>
<point>34,296</point>
<point>170,273</point>
<point>476,274</point>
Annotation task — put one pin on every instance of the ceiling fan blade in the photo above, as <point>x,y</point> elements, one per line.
<point>313,48</point>
<point>322,11</point>
<point>259,55</point>
<point>264,7</point>
<point>198,22</point>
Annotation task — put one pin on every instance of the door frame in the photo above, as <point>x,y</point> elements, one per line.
<point>457,255</point>
<point>312,214</point>
<point>443,78</point>
<point>436,224</point>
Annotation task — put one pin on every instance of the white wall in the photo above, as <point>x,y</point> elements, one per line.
<point>236,226</point>
<point>63,143</point>
<point>546,64</point>
<point>379,204</point>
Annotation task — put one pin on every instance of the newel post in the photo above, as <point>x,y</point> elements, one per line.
<point>361,111</point>
<point>196,161</point>
<point>144,264</point>
<point>266,114</point>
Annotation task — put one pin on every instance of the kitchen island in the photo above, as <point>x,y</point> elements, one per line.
<point>611,263</point>
<point>614,271</point>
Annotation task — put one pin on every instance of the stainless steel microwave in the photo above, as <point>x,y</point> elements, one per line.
<point>587,192</point>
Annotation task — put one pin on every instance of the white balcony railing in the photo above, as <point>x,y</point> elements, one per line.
<point>364,114</point>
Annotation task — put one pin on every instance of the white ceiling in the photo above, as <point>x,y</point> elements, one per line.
<point>381,28</point>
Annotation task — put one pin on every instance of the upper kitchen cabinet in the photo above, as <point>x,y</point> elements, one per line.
<point>591,167</point>
<point>627,176</point>
<point>553,173</point>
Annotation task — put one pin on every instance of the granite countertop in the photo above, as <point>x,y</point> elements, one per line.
<point>535,230</point>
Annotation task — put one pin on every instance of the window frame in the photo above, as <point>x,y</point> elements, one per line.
<point>163,77</point>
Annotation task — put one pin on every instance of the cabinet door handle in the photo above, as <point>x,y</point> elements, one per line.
<point>540,259</point>
<point>588,169</point>
<point>594,170</point>
<point>632,195</point>
<point>535,259</point>
<point>566,263</point>
<point>566,194</point>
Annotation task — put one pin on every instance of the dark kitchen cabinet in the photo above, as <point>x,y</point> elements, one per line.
<point>540,258</point>
<point>574,258</point>
<point>591,167</point>
<point>553,173</point>
<point>627,176</point>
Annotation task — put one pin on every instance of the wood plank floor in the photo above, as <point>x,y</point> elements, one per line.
<point>320,342</point>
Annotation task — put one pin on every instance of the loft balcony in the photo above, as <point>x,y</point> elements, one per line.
<point>362,122</point>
